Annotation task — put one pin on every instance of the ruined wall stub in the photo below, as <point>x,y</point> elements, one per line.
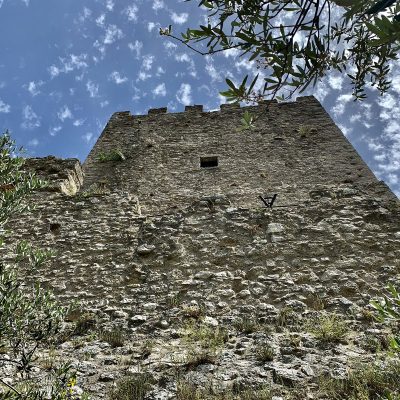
<point>293,148</point>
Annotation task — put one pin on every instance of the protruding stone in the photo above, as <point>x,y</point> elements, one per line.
<point>145,249</point>
<point>275,228</point>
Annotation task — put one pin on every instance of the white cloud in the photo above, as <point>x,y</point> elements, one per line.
<point>33,87</point>
<point>1,3</point>
<point>179,18</point>
<point>374,145</point>
<point>380,157</point>
<point>86,13</point>
<point>26,2</point>
<point>392,129</point>
<point>321,91</point>
<point>183,95</point>
<point>113,33</point>
<point>185,58</point>
<point>147,62</point>
<point>78,122</point>
<point>100,21</point>
<point>33,142</point>
<point>104,103</point>
<point>393,178</point>
<point>160,71</point>
<point>30,119</point>
<point>159,90</point>
<point>71,63</point>
<point>88,137</point>
<point>231,53</point>
<point>341,101</point>
<point>346,130</point>
<point>158,4</point>
<point>212,72</point>
<point>4,108</point>
<point>151,26</point>
<point>101,48</point>
<point>54,130</point>
<point>116,77</point>
<point>387,101</point>
<point>335,82</point>
<point>170,46</point>
<point>54,71</point>
<point>64,113</point>
<point>92,88</point>
<point>244,64</point>
<point>131,12</point>
<point>142,76</point>
<point>110,5</point>
<point>393,166</point>
<point>136,47</point>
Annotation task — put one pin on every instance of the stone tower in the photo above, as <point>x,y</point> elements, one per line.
<point>170,222</point>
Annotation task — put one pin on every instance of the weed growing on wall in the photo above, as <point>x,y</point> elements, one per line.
<point>388,309</point>
<point>112,155</point>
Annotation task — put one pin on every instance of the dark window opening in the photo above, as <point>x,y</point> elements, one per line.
<point>208,162</point>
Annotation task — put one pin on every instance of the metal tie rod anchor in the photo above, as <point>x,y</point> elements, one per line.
<point>268,201</point>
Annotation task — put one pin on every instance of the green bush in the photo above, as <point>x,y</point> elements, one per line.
<point>112,155</point>
<point>132,387</point>
<point>328,328</point>
<point>264,352</point>
<point>115,338</point>
<point>30,317</point>
<point>373,381</point>
<point>388,309</point>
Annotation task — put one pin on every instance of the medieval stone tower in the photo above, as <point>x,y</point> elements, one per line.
<point>167,211</point>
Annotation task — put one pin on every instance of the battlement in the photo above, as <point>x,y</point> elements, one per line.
<point>198,108</point>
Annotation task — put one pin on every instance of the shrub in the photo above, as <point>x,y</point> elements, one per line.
<point>112,155</point>
<point>371,381</point>
<point>115,338</point>
<point>192,311</point>
<point>30,317</point>
<point>388,309</point>
<point>247,325</point>
<point>85,323</point>
<point>187,391</point>
<point>196,357</point>
<point>205,336</point>
<point>264,352</point>
<point>286,317</point>
<point>328,328</point>
<point>132,387</point>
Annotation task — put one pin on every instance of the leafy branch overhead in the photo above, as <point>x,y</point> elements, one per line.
<point>296,42</point>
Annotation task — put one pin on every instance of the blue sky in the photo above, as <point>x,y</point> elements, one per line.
<point>67,65</point>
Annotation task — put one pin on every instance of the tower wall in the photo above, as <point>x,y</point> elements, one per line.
<point>293,148</point>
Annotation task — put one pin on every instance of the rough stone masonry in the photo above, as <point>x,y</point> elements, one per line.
<point>177,216</point>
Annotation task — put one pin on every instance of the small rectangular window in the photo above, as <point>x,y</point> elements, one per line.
<point>208,162</point>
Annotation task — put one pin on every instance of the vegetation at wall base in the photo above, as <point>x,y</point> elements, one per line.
<point>30,317</point>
